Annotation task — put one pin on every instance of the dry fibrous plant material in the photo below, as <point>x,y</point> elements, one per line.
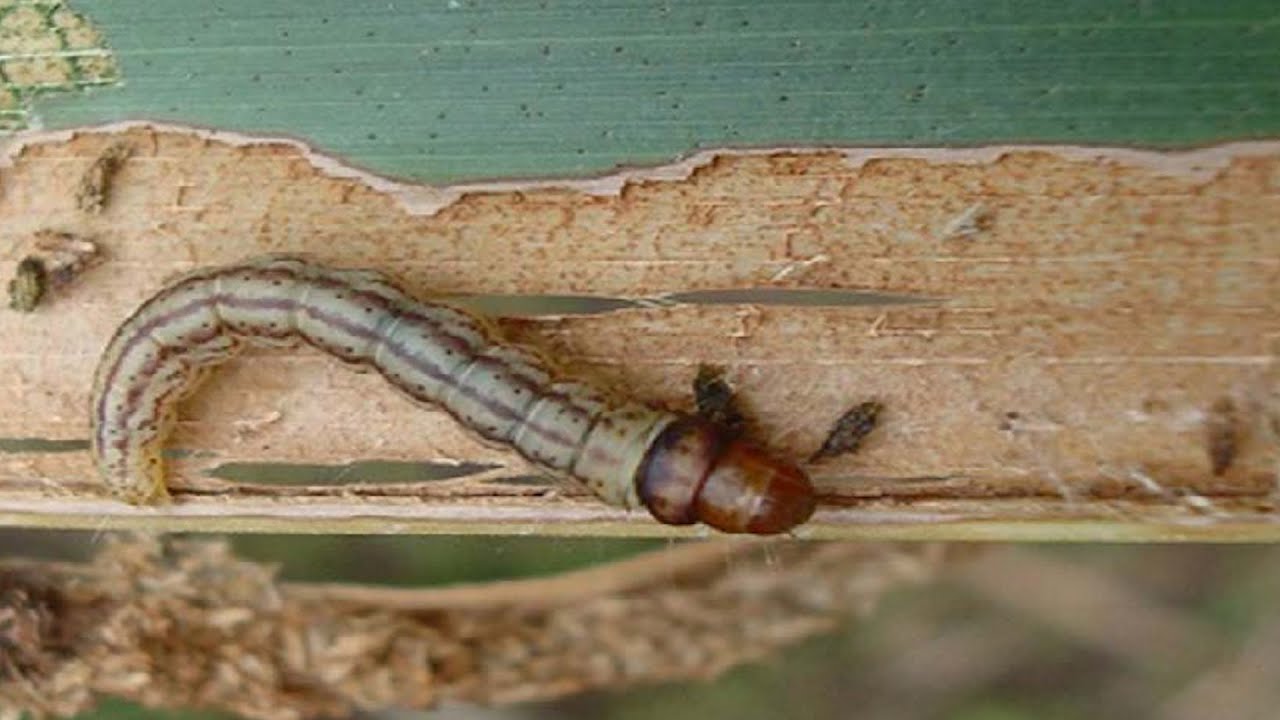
<point>186,624</point>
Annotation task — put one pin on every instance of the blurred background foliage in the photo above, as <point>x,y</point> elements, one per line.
<point>449,90</point>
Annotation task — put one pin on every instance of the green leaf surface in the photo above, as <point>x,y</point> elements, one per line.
<point>447,90</point>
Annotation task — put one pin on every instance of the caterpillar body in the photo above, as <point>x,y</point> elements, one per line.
<point>683,469</point>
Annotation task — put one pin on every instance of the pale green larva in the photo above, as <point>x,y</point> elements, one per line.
<point>683,469</point>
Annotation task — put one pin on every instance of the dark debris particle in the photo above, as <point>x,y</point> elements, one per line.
<point>715,400</point>
<point>94,187</point>
<point>1222,434</point>
<point>849,431</point>
<point>28,284</point>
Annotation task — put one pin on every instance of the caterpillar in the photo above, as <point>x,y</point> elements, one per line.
<point>684,469</point>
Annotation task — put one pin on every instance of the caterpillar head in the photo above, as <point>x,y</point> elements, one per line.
<point>695,472</point>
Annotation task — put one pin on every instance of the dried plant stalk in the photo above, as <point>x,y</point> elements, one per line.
<point>187,624</point>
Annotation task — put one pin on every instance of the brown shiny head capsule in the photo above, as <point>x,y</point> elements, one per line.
<point>694,472</point>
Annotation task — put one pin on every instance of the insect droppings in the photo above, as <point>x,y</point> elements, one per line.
<point>847,434</point>
<point>94,189</point>
<point>715,399</point>
<point>28,284</point>
<point>1222,434</point>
